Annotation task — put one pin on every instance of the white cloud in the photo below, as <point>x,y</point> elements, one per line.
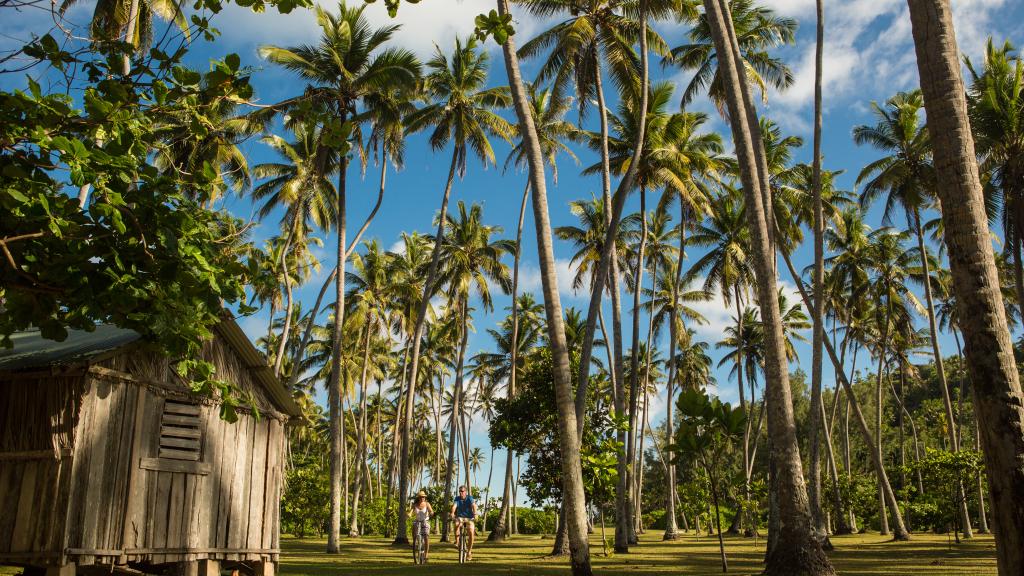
<point>530,280</point>
<point>869,52</point>
<point>422,24</point>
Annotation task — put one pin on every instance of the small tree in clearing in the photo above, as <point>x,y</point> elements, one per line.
<point>707,432</point>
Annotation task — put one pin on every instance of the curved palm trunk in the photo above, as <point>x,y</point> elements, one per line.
<point>998,398</point>
<point>817,315</point>
<point>336,416</point>
<point>900,532</point>
<point>308,333</point>
<point>940,371</point>
<point>417,336</point>
<point>796,552</point>
<point>574,499</point>
<point>501,528</point>
<point>279,356</point>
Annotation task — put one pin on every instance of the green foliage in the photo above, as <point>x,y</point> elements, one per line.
<point>533,521</point>
<point>374,517</point>
<point>145,252</point>
<point>942,473</point>
<point>494,24</point>
<point>304,504</point>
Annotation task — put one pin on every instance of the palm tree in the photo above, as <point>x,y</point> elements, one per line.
<point>547,108</point>
<point>757,29</point>
<point>301,184</point>
<point>892,304</point>
<point>906,177</point>
<point>573,497</point>
<point>818,311</point>
<point>792,548</point>
<point>471,260</point>
<point>996,384</point>
<point>385,112</point>
<point>996,107</point>
<point>224,130</point>
<point>578,43</point>
<point>131,21</point>
<point>462,114</point>
<point>669,302</point>
<point>344,66</point>
<point>369,298</point>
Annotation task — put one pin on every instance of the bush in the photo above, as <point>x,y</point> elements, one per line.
<point>653,520</point>
<point>374,517</point>
<point>533,521</point>
<point>306,499</point>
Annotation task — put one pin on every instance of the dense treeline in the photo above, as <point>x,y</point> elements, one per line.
<point>112,186</point>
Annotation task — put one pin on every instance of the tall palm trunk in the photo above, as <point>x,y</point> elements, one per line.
<point>841,525</point>
<point>417,336</point>
<point>453,428</point>
<point>336,416</point>
<point>487,492</point>
<point>671,530</point>
<point>501,528</point>
<point>634,362</point>
<point>879,408</point>
<point>438,436</point>
<point>361,443</point>
<point>940,371</point>
<point>573,497</point>
<point>796,551</point>
<point>900,531</point>
<point>998,398</point>
<point>817,315</point>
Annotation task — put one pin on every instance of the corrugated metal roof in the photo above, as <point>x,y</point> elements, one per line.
<point>31,350</point>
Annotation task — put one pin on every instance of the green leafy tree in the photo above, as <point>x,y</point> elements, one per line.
<point>708,429</point>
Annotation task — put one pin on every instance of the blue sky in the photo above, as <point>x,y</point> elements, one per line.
<point>868,56</point>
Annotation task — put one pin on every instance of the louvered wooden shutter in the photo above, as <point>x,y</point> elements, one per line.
<point>180,434</point>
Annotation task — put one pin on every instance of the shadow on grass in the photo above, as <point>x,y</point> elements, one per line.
<point>858,555</point>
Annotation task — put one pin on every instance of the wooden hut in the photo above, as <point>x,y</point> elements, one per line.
<point>107,459</point>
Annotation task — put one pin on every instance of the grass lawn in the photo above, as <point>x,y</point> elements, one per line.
<point>862,554</point>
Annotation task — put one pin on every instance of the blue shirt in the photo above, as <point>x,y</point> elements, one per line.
<point>464,506</point>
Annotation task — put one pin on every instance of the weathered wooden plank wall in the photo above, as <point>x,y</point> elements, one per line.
<point>110,498</point>
<point>37,422</point>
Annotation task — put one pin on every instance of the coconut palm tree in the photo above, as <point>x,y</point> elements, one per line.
<point>996,107</point>
<point>462,114</point>
<point>757,29</point>
<point>996,384</point>
<point>792,547</point>
<point>347,63</point>
<point>224,130</point>
<point>368,297</point>
<point>131,21</point>
<point>547,108</point>
<point>907,178</point>
<point>577,45</point>
<point>471,261</point>
<point>301,185</point>
<point>573,497</point>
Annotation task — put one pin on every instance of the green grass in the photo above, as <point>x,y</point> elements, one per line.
<point>862,554</point>
<point>858,555</point>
